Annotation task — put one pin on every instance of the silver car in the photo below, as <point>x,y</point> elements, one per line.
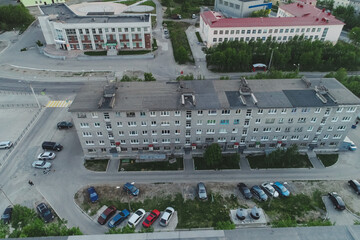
<point>41,164</point>
<point>201,191</point>
<point>5,144</point>
<point>166,217</point>
<point>269,190</point>
<point>46,156</point>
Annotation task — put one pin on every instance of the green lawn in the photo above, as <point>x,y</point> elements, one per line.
<point>230,161</point>
<point>130,2</point>
<point>328,159</point>
<point>138,52</point>
<point>179,41</point>
<point>260,161</point>
<point>151,4</point>
<point>153,166</point>
<point>96,165</point>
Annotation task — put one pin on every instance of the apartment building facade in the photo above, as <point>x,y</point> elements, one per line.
<point>68,31</point>
<point>240,8</point>
<point>293,20</point>
<point>139,118</point>
<point>30,3</point>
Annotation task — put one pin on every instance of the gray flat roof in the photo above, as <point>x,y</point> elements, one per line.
<point>66,15</point>
<point>216,94</point>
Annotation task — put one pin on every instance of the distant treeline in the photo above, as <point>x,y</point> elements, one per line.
<point>17,17</point>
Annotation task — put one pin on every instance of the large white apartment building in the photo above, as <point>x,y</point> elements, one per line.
<point>292,20</point>
<point>96,31</point>
<point>146,117</point>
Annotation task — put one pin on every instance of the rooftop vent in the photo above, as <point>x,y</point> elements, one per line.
<point>321,91</point>
<point>108,98</point>
<point>245,90</point>
<point>306,81</point>
<point>188,98</point>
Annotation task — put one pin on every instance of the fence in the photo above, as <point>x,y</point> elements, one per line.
<point>22,134</point>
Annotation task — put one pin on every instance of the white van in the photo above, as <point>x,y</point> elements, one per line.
<point>6,144</point>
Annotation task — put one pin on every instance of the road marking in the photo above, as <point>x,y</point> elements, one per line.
<point>66,103</point>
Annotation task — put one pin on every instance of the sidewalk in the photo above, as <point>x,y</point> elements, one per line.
<point>314,160</point>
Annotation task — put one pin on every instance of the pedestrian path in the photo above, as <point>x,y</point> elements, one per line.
<point>59,104</point>
<point>314,160</point>
<point>113,166</point>
<point>188,162</point>
<point>244,163</point>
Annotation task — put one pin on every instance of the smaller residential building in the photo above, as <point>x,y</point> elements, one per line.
<point>343,3</point>
<point>239,8</point>
<point>95,31</point>
<point>292,20</point>
<point>30,3</point>
<point>356,5</point>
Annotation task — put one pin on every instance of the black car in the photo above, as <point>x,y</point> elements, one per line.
<point>44,212</point>
<point>6,217</point>
<point>259,193</point>
<point>337,201</point>
<point>62,125</point>
<point>244,190</point>
<point>355,185</point>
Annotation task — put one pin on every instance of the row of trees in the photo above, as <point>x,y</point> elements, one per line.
<point>17,17</point>
<point>311,55</point>
<point>351,82</point>
<point>185,7</point>
<point>26,223</point>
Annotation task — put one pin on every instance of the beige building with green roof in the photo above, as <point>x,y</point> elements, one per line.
<point>30,3</point>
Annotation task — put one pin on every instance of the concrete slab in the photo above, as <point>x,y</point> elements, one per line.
<point>249,221</point>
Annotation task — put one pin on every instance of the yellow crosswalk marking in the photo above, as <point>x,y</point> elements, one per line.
<point>59,103</point>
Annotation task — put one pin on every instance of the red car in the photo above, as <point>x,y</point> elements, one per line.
<point>151,218</point>
<point>106,215</point>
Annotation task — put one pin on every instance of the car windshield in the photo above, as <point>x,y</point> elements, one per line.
<point>122,214</point>
<point>168,211</point>
<point>103,216</point>
<point>138,213</point>
<point>47,213</point>
<point>246,190</point>
<point>146,221</point>
<point>340,201</point>
<point>202,190</point>
<point>283,188</point>
<point>163,221</point>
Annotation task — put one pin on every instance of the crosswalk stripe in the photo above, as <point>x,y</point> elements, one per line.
<point>58,103</point>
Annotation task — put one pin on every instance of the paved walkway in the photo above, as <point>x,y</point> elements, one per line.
<point>188,163</point>
<point>113,166</point>
<point>244,163</point>
<point>314,160</point>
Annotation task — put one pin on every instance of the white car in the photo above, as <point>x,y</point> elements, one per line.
<point>46,156</point>
<point>6,144</point>
<point>166,217</point>
<point>270,190</point>
<point>136,218</point>
<point>41,164</point>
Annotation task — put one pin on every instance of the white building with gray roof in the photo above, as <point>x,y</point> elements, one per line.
<point>129,118</point>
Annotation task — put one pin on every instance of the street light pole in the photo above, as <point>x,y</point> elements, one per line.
<point>272,52</point>
<point>37,101</point>
<point>298,66</point>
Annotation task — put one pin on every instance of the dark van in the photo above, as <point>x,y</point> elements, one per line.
<point>52,146</point>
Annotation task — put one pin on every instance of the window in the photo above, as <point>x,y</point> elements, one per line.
<point>211,122</point>
<point>346,119</point>
<point>87,134</point>
<point>152,114</point>
<point>142,114</point>
<point>313,120</point>
<point>290,120</point>
<point>339,109</point>
<point>301,120</point>
<point>130,114</point>
<point>267,129</point>
<point>281,120</point>
<point>260,111</point>
<point>269,120</point>
<point>134,141</point>
<point>222,130</point>
<point>90,142</point>
<point>177,123</point>
<point>200,112</point>
<point>199,122</point>
<point>236,121</point>
<point>225,112</point>
<point>258,121</point>
<point>337,136</point>
<point>221,139</point>
<point>198,131</point>
<point>145,132</point>
<point>224,122</point>
<point>330,128</point>
<point>210,131</point>
<point>121,133</point>
<point>310,128</point>
<point>133,133</point>
<point>153,132</point>
<point>177,113</point>
<point>351,109</point>
<point>143,123</point>
<point>94,115</point>
<point>272,111</point>
<point>164,113</point>
<point>256,130</point>
<point>341,128</point>
<point>132,124</point>
<point>238,111</point>
<point>215,32</point>
<point>101,142</point>
<point>334,119</point>
<point>264,138</point>
<point>84,125</point>
<point>248,113</point>
<point>99,134</point>
<point>212,112</point>
<point>153,123</point>
<point>165,123</point>
<point>167,132</point>
<point>119,124</point>
<point>295,138</point>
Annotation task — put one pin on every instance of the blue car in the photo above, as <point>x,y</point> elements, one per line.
<point>281,189</point>
<point>92,194</point>
<point>131,189</point>
<point>119,218</point>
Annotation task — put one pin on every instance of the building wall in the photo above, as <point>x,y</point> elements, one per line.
<point>343,3</point>
<point>98,36</point>
<point>29,3</point>
<point>281,34</point>
<point>251,129</point>
<point>356,5</point>
<point>236,8</point>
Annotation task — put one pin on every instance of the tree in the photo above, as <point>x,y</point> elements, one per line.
<point>354,35</point>
<point>148,77</point>
<point>181,54</point>
<point>261,13</point>
<point>213,154</point>
<point>4,229</point>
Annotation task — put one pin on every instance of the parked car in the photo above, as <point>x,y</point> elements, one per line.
<point>46,156</point>
<point>281,189</point>
<point>136,218</point>
<point>52,146</point>
<point>44,212</point>
<point>62,125</point>
<point>244,190</point>
<point>119,218</point>
<point>6,216</point>
<point>352,147</point>
<point>92,194</point>
<point>337,201</point>
<point>131,189</point>
<point>201,191</point>
<point>166,217</point>
<point>255,214</point>
<point>269,190</point>
<point>259,193</point>
<point>355,185</point>
<point>151,218</point>
<point>6,144</point>
<point>41,164</point>
<point>106,215</point>
<point>241,214</point>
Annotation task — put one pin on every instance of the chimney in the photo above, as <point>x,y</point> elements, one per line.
<point>323,10</point>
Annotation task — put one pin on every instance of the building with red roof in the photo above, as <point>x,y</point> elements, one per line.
<point>292,19</point>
